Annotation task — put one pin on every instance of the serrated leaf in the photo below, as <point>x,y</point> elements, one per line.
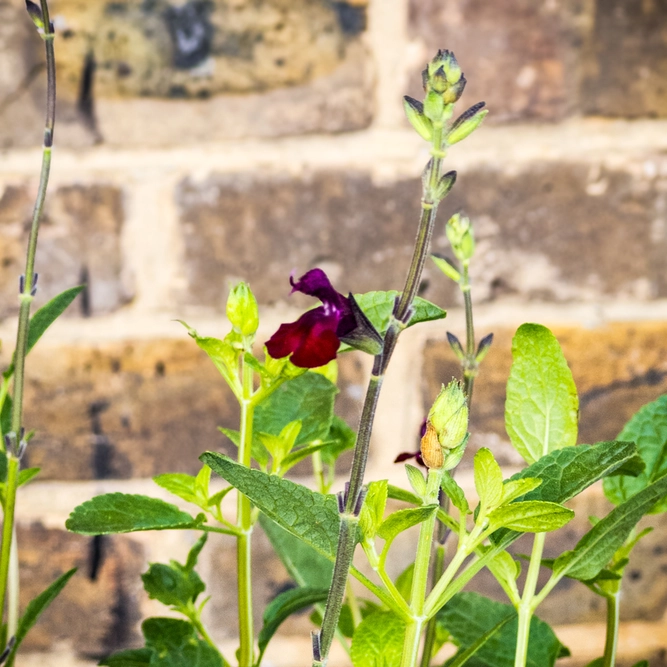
<point>463,657</point>
<point>378,307</point>
<point>136,657</point>
<point>282,607</point>
<point>455,493</point>
<point>648,430</point>
<point>378,641</point>
<point>531,516</point>
<point>309,516</point>
<point>372,511</point>
<point>488,479</point>
<point>34,611</point>
<point>179,484</point>
<point>173,585</point>
<point>401,520</point>
<point>126,513</point>
<point>45,316</point>
<point>470,616</point>
<point>416,479</point>
<point>542,406</point>
<point>597,547</point>
<point>176,644</point>
<point>308,398</point>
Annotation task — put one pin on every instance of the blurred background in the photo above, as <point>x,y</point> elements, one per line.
<point>203,142</point>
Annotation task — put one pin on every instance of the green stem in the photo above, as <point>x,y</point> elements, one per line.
<point>25,300</point>
<point>469,364</point>
<point>420,576</point>
<point>244,523</point>
<point>527,606</point>
<point>438,569</point>
<point>611,641</point>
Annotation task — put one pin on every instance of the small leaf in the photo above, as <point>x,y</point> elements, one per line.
<point>401,520</point>
<point>542,407</point>
<point>455,493</point>
<point>173,585</point>
<point>282,607</point>
<point>488,479</point>
<point>34,611</point>
<point>45,317</point>
<point>342,438</point>
<point>404,581</point>
<point>648,430</point>
<point>193,555</point>
<point>136,657</point>
<point>515,488</point>
<point>378,641</point>
<point>176,644</point>
<point>416,479</point>
<point>504,567</point>
<point>531,516</point>
<point>372,511</point>
<point>126,513</point>
<point>27,474</point>
<point>180,484</point>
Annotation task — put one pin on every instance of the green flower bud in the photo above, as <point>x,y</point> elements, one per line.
<point>35,13</point>
<point>414,111</point>
<point>445,184</point>
<point>467,123</point>
<point>443,76</point>
<point>460,235</point>
<point>242,310</point>
<point>484,347</point>
<point>446,61</point>
<point>453,93</point>
<point>434,106</point>
<point>444,442</point>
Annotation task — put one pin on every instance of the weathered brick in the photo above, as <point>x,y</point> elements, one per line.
<point>97,611</point>
<point>528,222</point>
<point>617,369</point>
<point>628,61</point>
<point>79,242</point>
<point>211,70</point>
<point>523,58</point>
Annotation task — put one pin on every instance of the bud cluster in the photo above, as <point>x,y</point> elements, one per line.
<point>460,235</point>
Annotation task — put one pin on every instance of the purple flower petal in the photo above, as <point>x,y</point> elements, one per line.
<point>316,283</point>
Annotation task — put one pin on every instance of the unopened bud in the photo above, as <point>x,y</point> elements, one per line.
<point>242,310</point>
<point>455,344</point>
<point>434,106</point>
<point>414,111</point>
<point>460,235</point>
<point>431,449</point>
<point>445,184</point>
<point>467,123</point>
<point>447,267</point>
<point>484,347</point>
<point>454,93</point>
<point>35,13</point>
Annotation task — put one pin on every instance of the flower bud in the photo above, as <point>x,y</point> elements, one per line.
<point>443,77</point>
<point>447,268</point>
<point>434,106</point>
<point>460,235</point>
<point>242,310</point>
<point>414,111</point>
<point>484,347</point>
<point>445,184</point>
<point>35,13</point>
<point>467,123</point>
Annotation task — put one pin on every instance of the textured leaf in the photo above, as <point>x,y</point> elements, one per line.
<point>378,641</point>
<point>401,520</point>
<point>179,484</point>
<point>531,516</point>
<point>34,611</point>
<point>126,513</point>
<point>341,437</point>
<point>136,657</point>
<point>309,516</point>
<point>542,407</point>
<point>513,489</point>
<point>648,430</point>
<point>45,316</point>
<point>378,307</point>
<point>488,479</point>
<point>308,398</point>
<point>416,479</point>
<point>463,657</point>
<point>173,585</point>
<point>470,616</point>
<point>372,511</point>
<point>176,644</point>
<point>455,493</point>
<point>282,607</point>
<point>596,548</point>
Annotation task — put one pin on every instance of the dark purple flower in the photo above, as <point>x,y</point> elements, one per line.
<point>313,340</point>
<point>406,456</point>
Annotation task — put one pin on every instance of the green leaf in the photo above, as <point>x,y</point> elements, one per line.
<point>404,581</point>
<point>173,585</point>
<point>341,437</point>
<point>258,451</point>
<point>302,453</point>
<point>401,520</point>
<point>279,446</point>
<point>397,493</point>
<point>136,657</point>
<point>45,317</point>
<point>378,307</point>
<point>531,516</point>
<point>455,493</point>
<point>378,641</point>
<point>193,555</point>
<point>542,407</point>
<point>3,467</point>
<point>463,657</point>
<point>282,607</point>
<point>126,513</point>
<point>305,565</point>
<point>27,474</point>
<point>180,484</point>
<point>34,611</point>
<point>416,479</point>
<point>513,489</point>
<point>6,416</point>
<point>309,516</point>
<point>597,547</point>
<point>648,430</point>
<point>176,644</point>
<point>372,511</point>
<point>470,616</point>
<point>598,662</point>
<point>308,398</point>
<point>488,479</point>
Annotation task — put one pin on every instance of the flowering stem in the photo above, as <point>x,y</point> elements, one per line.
<point>469,364</point>
<point>398,322</point>
<point>25,301</point>
<point>244,524</point>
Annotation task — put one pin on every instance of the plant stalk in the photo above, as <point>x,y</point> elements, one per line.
<point>398,322</point>
<point>611,640</point>
<point>25,301</point>
<point>244,522</point>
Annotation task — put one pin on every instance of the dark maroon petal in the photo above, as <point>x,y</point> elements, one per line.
<point>405,456</point>
<point>315,283</point>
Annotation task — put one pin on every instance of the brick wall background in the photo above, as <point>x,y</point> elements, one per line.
<point>199,143</point>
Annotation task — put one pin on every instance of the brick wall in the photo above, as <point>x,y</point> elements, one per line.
<point>201,143</point>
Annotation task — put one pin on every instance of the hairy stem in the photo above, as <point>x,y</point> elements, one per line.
<point>25,301</point>
<point>611,640</point>
<point>244,523</point>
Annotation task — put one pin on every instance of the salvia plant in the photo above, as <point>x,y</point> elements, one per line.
<point>286,390</point>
